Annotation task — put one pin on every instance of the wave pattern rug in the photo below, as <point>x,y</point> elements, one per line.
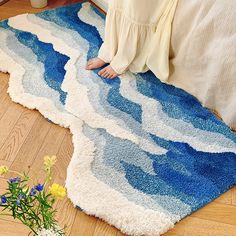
<point>146,154</point>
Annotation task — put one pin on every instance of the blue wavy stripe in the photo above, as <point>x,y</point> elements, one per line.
<point>53,61</point>
<point>209,177</point>
<point>181,105</point>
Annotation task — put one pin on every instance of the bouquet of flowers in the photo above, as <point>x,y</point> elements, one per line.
<point>33,204</point>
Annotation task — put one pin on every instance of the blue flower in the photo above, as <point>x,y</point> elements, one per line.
<point>21,196</point>
<point>3,200</point>
<point>33,192</point>
<point>39,187</point>
<point>18,202</point>
<point>14,180</point>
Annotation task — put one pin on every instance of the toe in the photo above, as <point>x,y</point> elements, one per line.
<point>106,75</point>
<point>101,72</point>
<point>109,76</point>
<point>114,76</point>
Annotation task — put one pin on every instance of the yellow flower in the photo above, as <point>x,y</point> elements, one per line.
<point>57,191</point>
<point>49,161</point>
<point>3,170</point>
<point>25,189</point>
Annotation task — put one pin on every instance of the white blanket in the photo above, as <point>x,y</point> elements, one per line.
<point>203,55</point>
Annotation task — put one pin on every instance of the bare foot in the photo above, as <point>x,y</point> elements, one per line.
<point>108,73</point>
<point>95,63</point>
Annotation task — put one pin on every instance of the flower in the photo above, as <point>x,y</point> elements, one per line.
<point>49,161</point>
<point>3,200</point>
<point>57,191</point>
<point>21,196</point>
<point>35,203</point>
<point>14,180</point>
<point>3,170</point>
<point>18,202</point>
<point>33,192</point>
<point>39,187</point>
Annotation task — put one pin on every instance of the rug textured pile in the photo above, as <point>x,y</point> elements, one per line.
<point>146,154</point>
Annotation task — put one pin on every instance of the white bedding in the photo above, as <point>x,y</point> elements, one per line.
<point>203,57</point>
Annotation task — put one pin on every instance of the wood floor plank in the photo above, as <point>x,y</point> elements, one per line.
<point>12,8</point>
<point>118,233</point>
<point>8,228</point>
<point>32,144</point>
<point>84,225</point>
<point>50,146</point>
<point>63,157</point>
<point>3,80</point>
<point>234,196</point>
<point>104,229</point>
<point>67,212</point>
<point>5,101</point>
<point>18,135</point>
<point>3,184</point>
<point>9,120</point>
<point>217,212</point>
<point>3,83</point>
<point>225,198</point>
<point>172,234</point>
<point>5,163</point>
<point>192,226</point>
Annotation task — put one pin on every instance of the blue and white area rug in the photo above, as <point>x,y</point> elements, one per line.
<point>146,154</point>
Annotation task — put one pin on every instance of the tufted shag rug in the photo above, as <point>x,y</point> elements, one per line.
<point>146,154</point>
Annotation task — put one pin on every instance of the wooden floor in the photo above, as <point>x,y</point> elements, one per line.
<point>25,137</point>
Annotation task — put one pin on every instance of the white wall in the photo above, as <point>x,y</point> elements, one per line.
<point>102,3</point>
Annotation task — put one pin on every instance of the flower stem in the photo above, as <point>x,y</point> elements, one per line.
<point>18,173</point>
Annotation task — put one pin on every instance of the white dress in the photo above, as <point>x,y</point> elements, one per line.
<point>137,36</point>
